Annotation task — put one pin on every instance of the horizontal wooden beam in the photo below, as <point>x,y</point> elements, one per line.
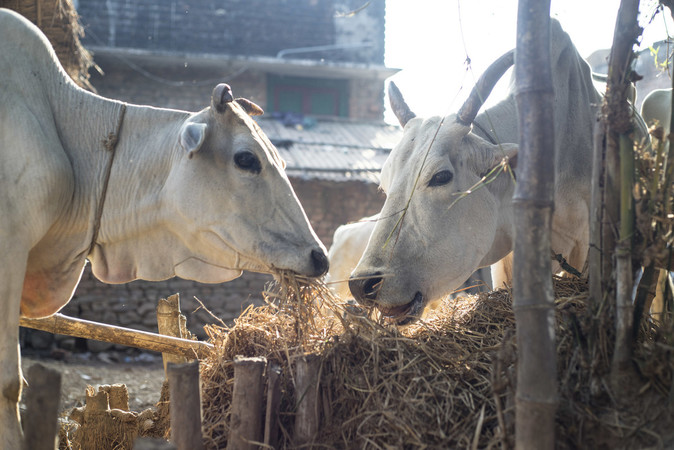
<point>69,326</point>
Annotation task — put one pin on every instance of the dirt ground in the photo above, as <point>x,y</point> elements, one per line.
<point>143,374</point>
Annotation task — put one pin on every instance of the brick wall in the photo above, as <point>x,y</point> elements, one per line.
<point>234,27</point>
<point>189,88</point>
<point>173,85</point>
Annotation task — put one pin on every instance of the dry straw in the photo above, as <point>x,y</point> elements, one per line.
<point>58,20</point>
<point>444,382</point>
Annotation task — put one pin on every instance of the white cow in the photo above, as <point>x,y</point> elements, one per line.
<point>432,236</point>
<point>348,244</point>
<point>141,192</point>
<point>657,107</point>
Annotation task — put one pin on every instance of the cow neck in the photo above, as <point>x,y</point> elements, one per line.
<point>110,144</point>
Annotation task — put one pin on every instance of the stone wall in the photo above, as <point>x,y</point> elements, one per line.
<point>327,204</point>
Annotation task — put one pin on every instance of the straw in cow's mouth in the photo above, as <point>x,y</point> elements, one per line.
<point>405,314</point>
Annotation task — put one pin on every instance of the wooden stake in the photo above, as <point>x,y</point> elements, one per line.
<point>146,443</point>
<point>168,324</point>
<point>185,394</point>
<point>307,419</point>
<point>60,324</point>
<point>271,426</point>
<point>42,403</point>
<point>245,426</point>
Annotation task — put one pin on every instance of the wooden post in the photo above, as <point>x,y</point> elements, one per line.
<point>69,326</point>
<point>245,425</point>
<point>168,324</point>
<point>146,443</point>
<point>185,394</point>
<point>307,418</point>
<point>42,403</point>
<point>271,425</point>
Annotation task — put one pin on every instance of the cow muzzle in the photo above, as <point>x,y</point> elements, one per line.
<point>365,290</point>
<point>319,263</point>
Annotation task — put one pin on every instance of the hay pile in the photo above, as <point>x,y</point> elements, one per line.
<point>446,382</point>
<point>58,19</point>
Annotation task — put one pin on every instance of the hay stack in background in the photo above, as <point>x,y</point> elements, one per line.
<point>441,383</point>
<point>58,19</point>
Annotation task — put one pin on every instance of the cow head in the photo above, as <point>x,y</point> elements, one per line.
<point>230,185</point>
<point>446,211</point>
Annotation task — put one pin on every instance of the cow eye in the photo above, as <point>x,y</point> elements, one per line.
<point>247,161</point>
<point>441,178</point>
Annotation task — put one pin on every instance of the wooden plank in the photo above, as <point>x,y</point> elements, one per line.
<point>60,324</point>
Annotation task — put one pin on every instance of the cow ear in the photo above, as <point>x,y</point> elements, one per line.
<point>192,136</point>
<point>251,108</point>
<point>497,154</point>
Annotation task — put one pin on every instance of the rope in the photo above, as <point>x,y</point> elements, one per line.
<point>485,132</point>
<point>110,144</point>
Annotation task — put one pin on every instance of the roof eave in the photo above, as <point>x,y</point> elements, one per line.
<point>268,64</point>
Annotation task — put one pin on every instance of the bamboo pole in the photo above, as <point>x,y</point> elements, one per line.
<point>536,400</point>
<point>245,425</point>
<point>595,256</point>
<point>186,416</point>
<point>624,310</point>
<point>60,324</point>
<point>619,171</point>
<point>42,402</point>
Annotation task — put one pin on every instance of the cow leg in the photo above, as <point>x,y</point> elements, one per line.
<point>11,285</point>
<point>502,272</point>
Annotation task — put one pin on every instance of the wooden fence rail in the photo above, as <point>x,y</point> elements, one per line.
<point>60,324</point>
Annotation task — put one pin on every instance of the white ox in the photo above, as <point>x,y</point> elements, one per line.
<point>428,239</point>
<point>199,195</point>
<point>657,108</point>
<point>348,244</point>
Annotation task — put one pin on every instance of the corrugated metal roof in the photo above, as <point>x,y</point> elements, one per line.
<point>336,150</point>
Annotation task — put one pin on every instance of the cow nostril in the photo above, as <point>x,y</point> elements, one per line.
<point>320,262</point>
<point>371,287</point>
<point>366,288</point>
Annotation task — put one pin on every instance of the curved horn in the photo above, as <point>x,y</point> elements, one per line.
<point>222,94</point>
<point>483,88</point>
<point>398,105</point>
